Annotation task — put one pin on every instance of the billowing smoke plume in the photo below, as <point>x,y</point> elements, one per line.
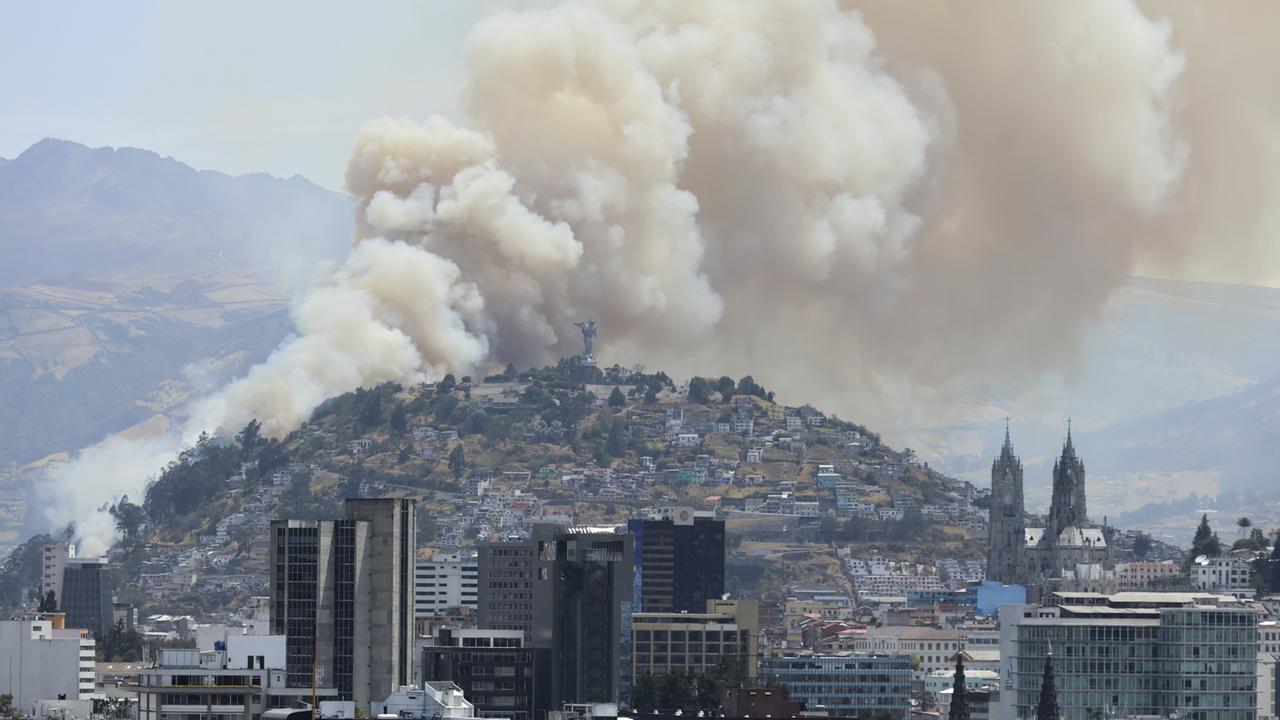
<point>751,187</point>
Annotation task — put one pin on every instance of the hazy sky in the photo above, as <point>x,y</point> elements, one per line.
<point>278,87</point>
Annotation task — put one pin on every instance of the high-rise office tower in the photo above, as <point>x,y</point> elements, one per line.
<point>504,581</point>
<point>81,587</point>
<point>342,595</point>
<point>679,561</point>
<point>582,609</point>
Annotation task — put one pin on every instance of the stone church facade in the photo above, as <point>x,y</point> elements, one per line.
<point>1067,553</point>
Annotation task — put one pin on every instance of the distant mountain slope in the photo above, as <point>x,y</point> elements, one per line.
<point>1237,434</point>
<point>1163,350</point>
<point>129,280</point>
<point>80,363</point>
<point>68,210</point>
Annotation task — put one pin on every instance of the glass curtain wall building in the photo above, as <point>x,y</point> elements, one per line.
<point>856,684</point>
<point>1133,654</point>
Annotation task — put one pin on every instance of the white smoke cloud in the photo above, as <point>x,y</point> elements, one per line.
<point>838,201</point>
<point>101,474</point>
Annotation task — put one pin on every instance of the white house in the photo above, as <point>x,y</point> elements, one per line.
<point>1229,573</point>
<point>688,440</point>
<point>432,700</point>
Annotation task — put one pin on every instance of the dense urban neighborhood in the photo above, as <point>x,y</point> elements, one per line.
<point>817,557</point>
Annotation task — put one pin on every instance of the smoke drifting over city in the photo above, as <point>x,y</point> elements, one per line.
<point>817,195</point>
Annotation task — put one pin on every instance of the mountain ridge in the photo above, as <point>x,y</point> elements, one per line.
<point>68,210</point>
<point>131,281</point>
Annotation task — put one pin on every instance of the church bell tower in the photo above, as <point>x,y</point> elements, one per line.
<point>1006,526</point>
<point>1067,507</point>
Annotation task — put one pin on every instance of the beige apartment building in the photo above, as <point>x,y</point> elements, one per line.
<point>697,642</point>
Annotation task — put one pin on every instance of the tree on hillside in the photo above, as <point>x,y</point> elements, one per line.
<point>369,408</point>
<point>1203,531</point>
<point>446,384</point>
<point>444,408</point>
<point>1206,540</point>
<point>48,603</point>
<point>1141,546</point>
<point>271,456</point>
<point>617,400</point>
<point>534,395</point>
<point>186,484</point>
<point>614,439</point>
<point>477,423</point>
<point>249,439</point>
<point>128,516</point>
<point>1256,540</point>
<point>399,418</point>
<point>747,386</point>
<point>457,461</point>
<point>699,391</point>
<point>725,387</point>
<point>651,395</point>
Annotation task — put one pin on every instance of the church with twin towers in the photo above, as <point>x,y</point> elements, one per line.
<point>1067,552</point>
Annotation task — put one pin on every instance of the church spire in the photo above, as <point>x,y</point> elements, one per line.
<point>959,699</point>
<point>1006,450</point>
<point>1047,709</point>
<point>1006,528</point>
<point>1067,507</point>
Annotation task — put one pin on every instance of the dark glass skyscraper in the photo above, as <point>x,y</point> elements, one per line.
<point>504,581</point>
<point>86,595</point>
<point>582,609</point>
<point>679,561</point>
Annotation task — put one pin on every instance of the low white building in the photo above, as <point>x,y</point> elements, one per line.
<point>1230,573</point>
<point>939,680</point>
<point>932,649</point>
<point>45,661</point>
<point>244,680</point>
<point>1143,575</point>
<point>432,700</point>
<point>688,440</point>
